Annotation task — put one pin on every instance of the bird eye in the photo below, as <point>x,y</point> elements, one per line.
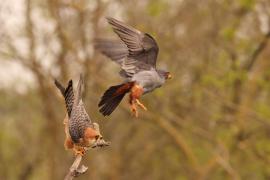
<point>97,137</point>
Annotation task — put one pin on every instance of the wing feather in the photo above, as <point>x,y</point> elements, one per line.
<point>137,51</point>
<point>141,46</point>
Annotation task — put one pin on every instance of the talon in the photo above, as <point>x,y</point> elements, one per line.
<point>134,110</point>
<point>79,151</point>
<point>141,105</point>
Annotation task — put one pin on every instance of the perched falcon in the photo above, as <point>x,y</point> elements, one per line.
<point>136,52</point>
<point>81,133</point>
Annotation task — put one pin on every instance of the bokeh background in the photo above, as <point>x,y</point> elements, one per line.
<point>211,121</point>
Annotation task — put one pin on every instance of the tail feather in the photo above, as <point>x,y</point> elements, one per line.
<point>109,94</point>
<point>112,97</point>
<point>110,106</point>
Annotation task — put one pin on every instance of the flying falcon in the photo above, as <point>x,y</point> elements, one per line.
<point>136,53</point>
<point>81,132</point>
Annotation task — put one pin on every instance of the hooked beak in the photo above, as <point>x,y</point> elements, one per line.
<point>169,76</point>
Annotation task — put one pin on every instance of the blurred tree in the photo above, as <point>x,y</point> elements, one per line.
<point>210,122</point>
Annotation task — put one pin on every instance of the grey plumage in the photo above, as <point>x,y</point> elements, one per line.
<point>141,46</point>
<point>114,49</point>
<point>136,54</point>
<point>149,80</point>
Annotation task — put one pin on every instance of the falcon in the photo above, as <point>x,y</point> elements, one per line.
<point>136,52</point>
<point>81,132</point>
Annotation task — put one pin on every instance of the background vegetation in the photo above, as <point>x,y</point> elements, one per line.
<point>212,121</point>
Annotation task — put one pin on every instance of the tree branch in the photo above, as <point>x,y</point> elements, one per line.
<point>75,170</point>
<point>254,56</point>
<point>178,138</point>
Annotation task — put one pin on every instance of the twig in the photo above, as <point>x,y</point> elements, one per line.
<point>75,170</point>
<point>178,138</point>
<point>261,46</point>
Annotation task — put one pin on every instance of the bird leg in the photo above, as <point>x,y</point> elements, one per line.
<point>78,150</point>
<point>141,105</point>
<point>136,93</point>
<point>133,108</point>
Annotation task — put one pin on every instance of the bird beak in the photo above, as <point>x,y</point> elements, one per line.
<point>169,76</point>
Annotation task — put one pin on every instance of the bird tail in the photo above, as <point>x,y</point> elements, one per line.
<point>112,97</point>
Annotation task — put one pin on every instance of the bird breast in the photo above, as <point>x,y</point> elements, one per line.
<point>149,80</point>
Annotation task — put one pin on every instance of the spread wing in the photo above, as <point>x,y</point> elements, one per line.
<point>135,52</point>
<point>141,46</point>
<point>113,49</point>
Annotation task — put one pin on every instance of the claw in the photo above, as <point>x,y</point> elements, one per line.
<point>79,151</point>
<point>134,109</point>
<point>141,105</point>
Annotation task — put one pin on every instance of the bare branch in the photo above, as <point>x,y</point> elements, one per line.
<point>179,140</point>
<point>254,56</point>
<point>75,170</point>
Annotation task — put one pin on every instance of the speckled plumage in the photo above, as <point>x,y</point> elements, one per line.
<point>79,120</point>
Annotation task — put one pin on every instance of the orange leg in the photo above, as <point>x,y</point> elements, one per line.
<point>133,108</point>
<point>78,150</point>
<point>136,93</point>
<point>141,105</point>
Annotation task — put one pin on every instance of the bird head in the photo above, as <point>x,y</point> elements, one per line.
<point>98,140</point>
<point>168,75</point>
<point>165,74</point>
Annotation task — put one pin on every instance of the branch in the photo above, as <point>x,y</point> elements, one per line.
<point>75,170</point>
<point>257,51</point>
<point>178,138</point>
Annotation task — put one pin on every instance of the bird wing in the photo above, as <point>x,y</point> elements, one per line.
<point>68,95</point>
<point>131,66</point>
<point>78,95</point>
<point>115,50</point>
<point>78,104</point>
<point>141,46</point>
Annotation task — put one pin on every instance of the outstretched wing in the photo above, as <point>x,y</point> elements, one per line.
<point>68,95</point>
<point>113,49</point>
<point>141,46</point>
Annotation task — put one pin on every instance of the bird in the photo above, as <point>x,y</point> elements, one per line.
<point>81,132</point>
<point>136,52</point>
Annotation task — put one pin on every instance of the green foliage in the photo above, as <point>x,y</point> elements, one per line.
<point>156,7</point>
<point>263,110</point>
<point>228,33</point>
<point>212,106</point>
<point>247,4</point>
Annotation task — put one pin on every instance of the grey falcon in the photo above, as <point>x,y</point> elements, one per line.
<point>136,53</point>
